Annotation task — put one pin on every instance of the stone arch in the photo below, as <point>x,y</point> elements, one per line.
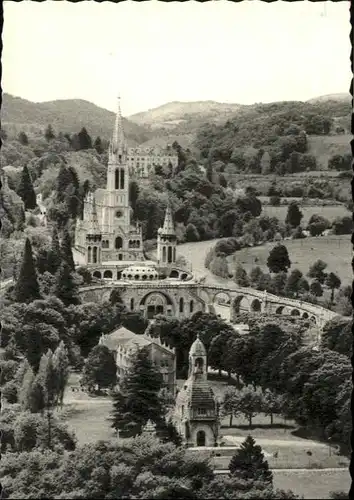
<point>256,305</point>
<point>240,303</point>
<point>108,274</point>
<point>119,275</point>
<point>184,276</point>
<point>136,277</point>
<point>156,302</point>
<point>295,312</point>
<point>119,242</point>
<point>222,297</point>
<point>279,310</point>
<point>305,315</point>
<point>97,274</point>
<point>201,438</point>
<point>174,273</point>
<point>313,319</point>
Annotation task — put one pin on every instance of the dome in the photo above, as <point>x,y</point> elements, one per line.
<point>197,348</point>
<point>140,272</point>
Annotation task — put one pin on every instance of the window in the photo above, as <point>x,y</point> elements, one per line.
<point>191,306</point>
<point>122,178</point>
<point>201,411</point>
<point>116,178</point>
<point>181,305</point>
<point>119,242</point>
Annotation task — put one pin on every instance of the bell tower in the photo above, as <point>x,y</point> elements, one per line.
<point>93,234</point>
<point>167,240</point>
<point>117,203</point>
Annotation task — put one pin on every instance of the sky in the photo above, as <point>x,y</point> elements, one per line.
<point>153,52</point>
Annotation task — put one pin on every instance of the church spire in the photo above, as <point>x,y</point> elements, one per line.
<point>118,145</point>
<point>168,225</point>
<point>94,228</point>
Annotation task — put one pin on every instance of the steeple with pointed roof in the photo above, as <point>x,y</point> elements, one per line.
<point>118,145</point>
<point>167,240</point>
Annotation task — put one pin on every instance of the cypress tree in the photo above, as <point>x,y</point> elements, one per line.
<point>27,288</point>
<point>248,462</point>
<point>66,250</point>
<point>66,288</point>
<point>64,180</point>
<point>74,196</point>
<point>137,398</point>
<point>49,133</point>
<point>98,145</point>
<point>23,139</point>
<point>26,191</point>
<point>84,139</point>
<point>54,256</point>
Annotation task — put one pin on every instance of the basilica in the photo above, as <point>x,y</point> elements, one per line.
<point>110,245</point>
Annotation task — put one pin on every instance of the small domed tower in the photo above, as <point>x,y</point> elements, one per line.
<point>167,240</point>
<point>93,234</point>
<point>196,413</point>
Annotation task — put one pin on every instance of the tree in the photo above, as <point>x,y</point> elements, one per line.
<point>98,145</point>
<point>23,139</point>
<point>241,277</point>
<point>230,404</point>
<point>294,215</point>
<point>270,404</point>
<point>192,233</point>
<point>85,140</point>
<point>66,250</point>
<point>54,256</point>
<point>316,271</point>
<point>26,191</point>
<point>278,259</point>
<point>317,224</point>
<point>66,288</point>
<point>249,463</point>
<point>49,134</point>
<point>333,282</point>
<point>27,287</point>
<point>342,225</point>
<point>219,266</point>
<point>137,398</point>
<point>293,283</point>
<point>337,336</point>
<point>133,194</point>
<point>249,403</point>
<point>100,368</point>
<point>61,368</point>
<point>316,288</point>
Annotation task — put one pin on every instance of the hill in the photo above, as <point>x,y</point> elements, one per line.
<point>65,116</point>
<point>174,114</point>
<point>331,97</point>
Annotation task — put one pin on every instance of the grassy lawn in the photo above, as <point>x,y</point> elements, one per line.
<point>334,250</point>
<point>86,416</point>
<point>329,212</point>
<point>312,484</point>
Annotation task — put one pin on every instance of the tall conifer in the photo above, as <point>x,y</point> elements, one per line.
<point>66,289</point>
<point>66,250</point>
<point>27,288</point>
<point>137,398</point>
<point>26,191</point>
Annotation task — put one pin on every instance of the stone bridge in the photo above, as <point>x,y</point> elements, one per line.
<point>182,299</point>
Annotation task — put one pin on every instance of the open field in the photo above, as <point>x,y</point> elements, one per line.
<point>323,147</point>
<point>334,250</point>
<point>312,484</point>
<point>329,212</point>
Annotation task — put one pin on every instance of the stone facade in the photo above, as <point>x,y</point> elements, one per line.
<point>196,414</point>
<point>123,343</point>
<point>142,161</point>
